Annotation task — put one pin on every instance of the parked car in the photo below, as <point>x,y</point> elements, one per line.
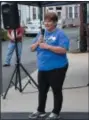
<point>32,27</point>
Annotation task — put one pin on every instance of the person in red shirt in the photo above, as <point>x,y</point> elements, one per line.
<point>11,46</point>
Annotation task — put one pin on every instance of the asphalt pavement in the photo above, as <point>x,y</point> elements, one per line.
<point>75,99</point>
<point>28,60</point>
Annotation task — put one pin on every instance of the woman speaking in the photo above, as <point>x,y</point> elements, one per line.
<point>52,65</point>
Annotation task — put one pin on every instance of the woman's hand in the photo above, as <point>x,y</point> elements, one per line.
<point>40,39</point>
<point>44,45</point>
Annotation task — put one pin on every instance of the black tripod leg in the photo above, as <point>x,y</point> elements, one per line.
<point>16,79</point>
<point>9,84</point>
<point>19,75</point>
<point>29,76</point>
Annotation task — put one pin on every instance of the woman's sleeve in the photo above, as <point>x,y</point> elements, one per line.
<point>64,41</point>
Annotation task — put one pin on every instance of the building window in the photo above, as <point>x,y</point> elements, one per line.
<point>58,8</point>
<point>50,8</point>
<point>88,13</point>
<point>29,12</point>
<point>66,12</point>
<point>76,11</point>
<point>59,15</point>
<point>34,13</point>
<point>70,12</point>
<point>19,14</point>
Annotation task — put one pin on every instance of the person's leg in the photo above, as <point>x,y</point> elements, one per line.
<point>10,51</point>
<point>56,81</point>
<point>43,90</point>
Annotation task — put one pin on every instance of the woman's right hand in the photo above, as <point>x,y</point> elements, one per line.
<point>36,44</point>
<point>41,39</point>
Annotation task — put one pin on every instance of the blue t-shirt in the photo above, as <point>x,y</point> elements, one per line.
<point>48,60</point>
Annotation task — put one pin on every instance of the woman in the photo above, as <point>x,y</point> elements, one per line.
<point>52,65</point>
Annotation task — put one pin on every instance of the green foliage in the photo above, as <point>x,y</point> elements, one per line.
<point>3,34</point>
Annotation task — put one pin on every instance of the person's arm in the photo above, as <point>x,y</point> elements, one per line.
<point>53,48</point>
<point>9,35</point>
<point>20,35</point>
<point>34,46</point>
<point>36,42</point>
<point>62,47</point>
<point>57,49</point>
<point>21,32</point>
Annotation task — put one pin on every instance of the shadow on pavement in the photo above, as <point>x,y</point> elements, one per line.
<point>64,116</point>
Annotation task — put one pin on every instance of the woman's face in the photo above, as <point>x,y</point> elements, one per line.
<point>49,24</point>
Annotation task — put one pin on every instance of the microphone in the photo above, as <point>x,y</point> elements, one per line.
<point>42,33</point>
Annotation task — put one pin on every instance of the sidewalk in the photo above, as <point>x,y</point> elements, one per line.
<point>75,100</point>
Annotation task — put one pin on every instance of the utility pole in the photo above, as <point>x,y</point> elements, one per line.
<point>0,54</point>
<point>83,25</point>
<point>88,37</point>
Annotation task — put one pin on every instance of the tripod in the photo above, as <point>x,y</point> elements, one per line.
<point>18,74</point>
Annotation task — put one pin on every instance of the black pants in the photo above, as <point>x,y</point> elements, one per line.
<point>54,79</point>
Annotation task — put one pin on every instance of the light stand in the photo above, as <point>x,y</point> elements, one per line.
<point>18,74</point>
